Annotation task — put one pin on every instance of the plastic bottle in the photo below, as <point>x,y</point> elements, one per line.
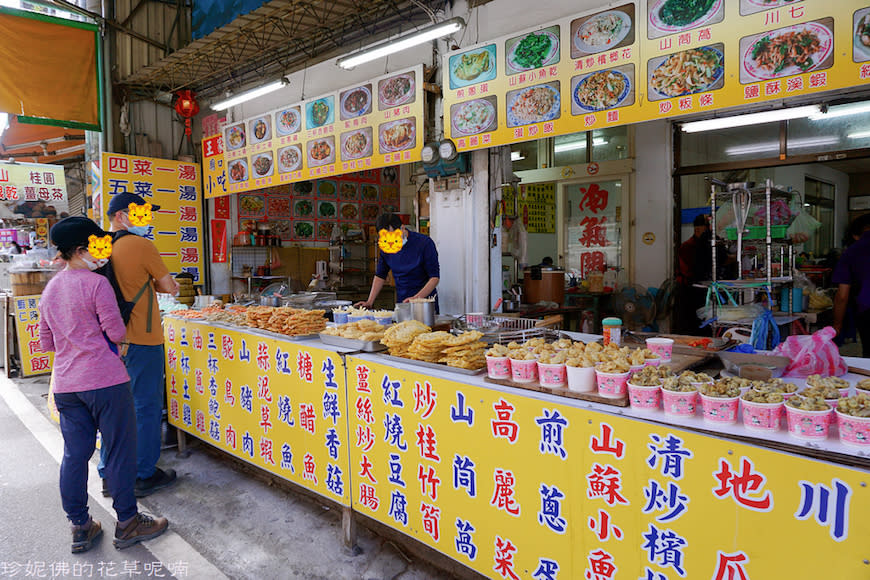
<point>612,330</point>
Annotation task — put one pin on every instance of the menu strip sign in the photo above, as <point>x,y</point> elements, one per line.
<point>639,61</point>
<point>374,124</point>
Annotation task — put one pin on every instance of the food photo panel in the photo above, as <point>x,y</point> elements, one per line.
<point>535,104</point>
<point>687,72</point>
<point>397,90</point>
<point>753,6</point>
<point>474,117</point>
<point>602,90</point>
<point>474,66</point>
<point>602,31</point>
<point>532,50</point>
<point>397,135</point>
<point>355,102</point>
<point>665,17</point>
<point>788,51</point>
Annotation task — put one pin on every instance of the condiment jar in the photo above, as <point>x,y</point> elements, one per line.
<point>612,330</point>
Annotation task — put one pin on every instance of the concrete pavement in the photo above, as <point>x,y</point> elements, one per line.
<point>225,522</point>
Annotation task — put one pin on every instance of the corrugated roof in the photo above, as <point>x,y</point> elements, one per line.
<point>280,37</point>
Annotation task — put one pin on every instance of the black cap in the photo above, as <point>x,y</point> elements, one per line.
<point>73,232</point>
<point>700,220</point>
<point>122,201</point>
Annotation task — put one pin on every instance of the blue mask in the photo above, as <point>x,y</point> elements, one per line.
<point>138,230</point>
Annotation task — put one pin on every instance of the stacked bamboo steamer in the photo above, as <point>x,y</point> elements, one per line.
<point>186,293</point>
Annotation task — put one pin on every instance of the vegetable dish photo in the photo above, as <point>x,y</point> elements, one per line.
<point>691,71</point>
<point>325,188</point>
<point>303,208</point>
<point>670,16</point>
<point>303,188</point>
<point>535,50</point>
<point>303,230</point>
<point>288,121</point>
<point>601,32</point>
<point>347,190</point>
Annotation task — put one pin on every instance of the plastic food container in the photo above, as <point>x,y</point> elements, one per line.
<point>612,385</point>
<point>812,425</point>
<point>581,379</point>
<point>664,347</point>
<point>652,362</point>
<point>498,367</point>
<point>722,410</point>
<point>612,330</point>
<point>552,375</point>
<point>644,397</point>
<point>854,430</point>
<point>679,403</point>
<point>384,320</point>
<point>339,317</point>
<point>524,371</point>
<point>761,416</point>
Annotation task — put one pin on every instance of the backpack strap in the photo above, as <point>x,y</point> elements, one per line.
<point>146,286</point>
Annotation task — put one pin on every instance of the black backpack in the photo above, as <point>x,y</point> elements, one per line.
<point>126,306</point>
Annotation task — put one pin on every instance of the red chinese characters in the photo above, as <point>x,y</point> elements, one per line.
<point>605,481</point>
<point>266,451</point>
<point>304,366</point>
<point>431,520</point>
<point>745,487</point>
<point>503,493</point>
<point>362,379</point>
<point>731,566</point>
<point>424,399</point>
<point>367,497</point>
<point>603,444</point>
<point>429,481</point>
<point>427,443</point>
<point>504,558</point>
<point>603,528</point>
<point>187,172</point>
<point>503,425</point>
<point>142,167</point>
<point>306,417</point>
<point>601,566</point>
<point>365,469</point>
<point>309,466</point>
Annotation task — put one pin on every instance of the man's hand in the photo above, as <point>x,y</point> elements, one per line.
<point>363,304</point>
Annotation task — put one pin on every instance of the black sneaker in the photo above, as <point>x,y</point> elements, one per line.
<point>143,527</point>
<point>106,492</point>
<point>156,482</point>
<point>83,537</point>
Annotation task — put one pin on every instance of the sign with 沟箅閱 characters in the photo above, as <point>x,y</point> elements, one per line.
<point>273,403</point>
<point>177,228</point>
<point>518,487</point>
<point>34,361</point>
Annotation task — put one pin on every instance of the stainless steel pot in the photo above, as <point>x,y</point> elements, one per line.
<point>421,311</point>
<point>273,300</point>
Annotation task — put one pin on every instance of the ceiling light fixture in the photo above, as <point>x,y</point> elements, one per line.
<point>248,95</point>
<point>751,119</point>
<point>774,145</point>
<point>401,43</point>
<point>842,111</point>
<point>573,145</point>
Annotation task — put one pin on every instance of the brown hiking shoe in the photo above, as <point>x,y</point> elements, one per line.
<point>83,536</point>
<point>143,527</point>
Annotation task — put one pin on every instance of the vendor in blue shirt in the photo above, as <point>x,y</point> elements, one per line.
<point>412,258</point>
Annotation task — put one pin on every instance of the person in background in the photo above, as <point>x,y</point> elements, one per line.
<point>80,322</point>
<point>546,262</point>
<point>412,257</point>
<point>852,278</point>
<point>141,273</point>
<point>695,265</point>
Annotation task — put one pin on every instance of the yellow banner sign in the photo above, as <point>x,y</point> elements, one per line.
<point>34,361</point>
<point>640,61</point>
<point>177,227</point>
<point>276,405</point>
<point>367,126</point>
<point>518,487</point>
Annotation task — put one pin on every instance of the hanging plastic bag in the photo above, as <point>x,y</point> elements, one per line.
<point>814,354</point>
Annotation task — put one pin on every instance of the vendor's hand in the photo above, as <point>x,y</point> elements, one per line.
<point>363,304</point>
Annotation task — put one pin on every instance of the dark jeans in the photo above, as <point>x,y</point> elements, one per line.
<point>109,410</point>
<point>145,366</point>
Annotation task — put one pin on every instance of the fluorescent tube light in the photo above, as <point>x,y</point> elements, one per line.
<point>66,150</point>
<point>842,111</point>
<point>517,156</point>
<point>859,135</point>
<point>248,95</point>
<point>574,145</point>
<point>401,43</point>
<point>751,119</point>
<point>774,145</point>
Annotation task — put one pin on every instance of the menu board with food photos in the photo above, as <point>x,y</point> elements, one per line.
<point>637,61</point>
<point>310,210</point>
<point>368,126</point>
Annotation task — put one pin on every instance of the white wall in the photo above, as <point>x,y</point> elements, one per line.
<point>794,176</point>
<point>652,210</point>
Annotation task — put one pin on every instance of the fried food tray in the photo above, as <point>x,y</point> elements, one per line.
<point>352,343</point>
<point>435,366</point>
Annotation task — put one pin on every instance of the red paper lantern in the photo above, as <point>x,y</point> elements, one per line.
<point>187,107</point>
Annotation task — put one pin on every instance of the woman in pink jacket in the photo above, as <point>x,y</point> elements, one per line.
<point>81,323</point>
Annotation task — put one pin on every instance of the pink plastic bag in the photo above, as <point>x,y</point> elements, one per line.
<point>814,354</point>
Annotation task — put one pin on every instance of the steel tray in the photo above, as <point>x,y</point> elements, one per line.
<point>435,366</point>
<point>352,343</point>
